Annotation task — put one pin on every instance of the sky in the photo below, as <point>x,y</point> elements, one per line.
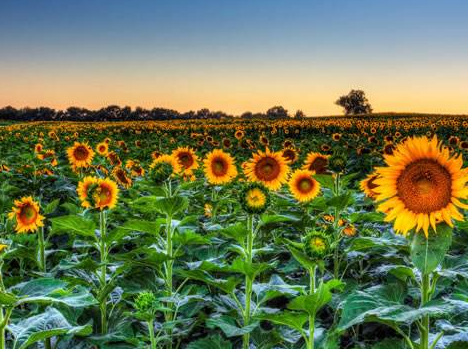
<point>235,56</point>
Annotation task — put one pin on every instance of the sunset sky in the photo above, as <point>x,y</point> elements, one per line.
<point>235,56</point>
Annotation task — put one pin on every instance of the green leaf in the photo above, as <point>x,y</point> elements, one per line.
<point>227,285</point>
<point>237,231</point>
<point>74,225</point>
<point>46,325</point>
<point>51,207</point>
<point>341,201</point>
<point>189,237</point>
<point>314,302</point>
<point>302,258</point>
<point>139,225</point>
<point>276,218</point>
<point>47,291</point>
<point>168,206</point>
<point>294,320</point>
<point>385,303</point>
<point>229,327</point>
<point>210,342</point>
<point>427,254</point>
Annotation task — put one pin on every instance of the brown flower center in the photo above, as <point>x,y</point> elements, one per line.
<point>219,167</point>
<point>28,214</point>
<point>319,165</point>
<point>305,185</point>
<point>81,153</point>
<point>185,159</point>
<point>267,169</point>
<point>425,186</point>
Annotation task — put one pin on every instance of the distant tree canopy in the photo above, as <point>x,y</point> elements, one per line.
<point>354,103</point>
<point>299,114</point>
<point>277,112</point>
<point>116,113</point>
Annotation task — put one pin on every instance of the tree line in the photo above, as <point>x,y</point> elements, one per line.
<point>354,103</point>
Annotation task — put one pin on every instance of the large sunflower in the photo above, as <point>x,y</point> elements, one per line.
<point>316,162</point>
<point>105,194</point>
<point>421,186</point>
<point>303,185</point>
<point>98,193</point>
<point>219,167</point>
<point>26,214</point>
<point>186,158</point>
<point>269,168</point>
<point>80,155</point>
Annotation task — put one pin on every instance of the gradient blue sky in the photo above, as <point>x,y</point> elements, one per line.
<point>235,55</point>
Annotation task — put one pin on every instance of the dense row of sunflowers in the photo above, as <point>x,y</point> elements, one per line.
<point>326,233</point>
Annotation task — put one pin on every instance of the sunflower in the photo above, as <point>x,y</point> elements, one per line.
<point>290,154</point>
<point>219,167</point>
<point>98,193</point>
<point>3,247</point>
<point>163,167</point>
<point>83,189</point>
<point>303,186</point>
<point>421,186</point>
<point>38,148</point>
<point>187,158</point>
<point>255,198</point>
<point>80,155</point>
<point>316,244</point>
<point>316,162</point>
<point>269,168</point>
<point>120,175</point>
<point>102,148</point>
<point>239,134</point>
<point>368,185</point>
<point>26,214</point>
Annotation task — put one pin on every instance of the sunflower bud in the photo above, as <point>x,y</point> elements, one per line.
<point>255,198</point>
<point>316,244</point>
<point>161,172</point>
<point>337,161</point>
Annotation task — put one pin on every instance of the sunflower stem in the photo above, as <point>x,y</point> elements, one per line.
<point>2,328</point>
<point>103,252</point>
<point>43,268</point>
<point>425,297</point>
<point>248,280</point>
<point>151,334</point>
<point>312,276</point>
<point>168,266</point>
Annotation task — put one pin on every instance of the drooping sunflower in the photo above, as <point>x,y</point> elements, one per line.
<point>163,167</point>
<point>255,198</point>
<point>421,186</point>
<point>316,162</point>
<point>80,155</point>
<point>367,185</point>
<point>27,215</point>
<point>102,148</point>
<point>269,168</point>
<point>219,167</point>
<point>290,154</point>
<point>186,158</point>
<point>303,185</point>
<point>121,176</point>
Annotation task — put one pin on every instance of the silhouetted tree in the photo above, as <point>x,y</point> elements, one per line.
<point>354,103</point>
<point>299,114</point>
<point>277,112</point>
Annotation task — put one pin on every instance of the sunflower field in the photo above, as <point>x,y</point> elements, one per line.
<point>320,233</point>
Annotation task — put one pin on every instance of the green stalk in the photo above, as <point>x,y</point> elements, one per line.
<point>336,252</point>
<point>248,281</point>
<point>169,264</point>
<point>103,252</point>
<point>425,297</point>
<point>151,334</point>
<point>2,328</point>
<point>41,243</point>
<point>312,275</point>
<point>43,268</point>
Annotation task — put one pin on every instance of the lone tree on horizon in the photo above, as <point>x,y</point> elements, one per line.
<point>354,103</point>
